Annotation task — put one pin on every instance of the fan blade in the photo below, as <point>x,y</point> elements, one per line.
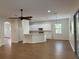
<point>13,18</point>
<point>27,17</point>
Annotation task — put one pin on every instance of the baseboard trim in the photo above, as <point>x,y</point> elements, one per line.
<point>14,41</point>
<point>1,44</point>
<point>35,42</point>
<point>72,46</point>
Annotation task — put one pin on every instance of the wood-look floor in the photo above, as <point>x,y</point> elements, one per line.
<point>50,50</point>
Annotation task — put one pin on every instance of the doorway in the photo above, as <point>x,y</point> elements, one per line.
<point>7,33</point>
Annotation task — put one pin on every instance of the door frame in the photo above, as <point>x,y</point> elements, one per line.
<point>75,32</point>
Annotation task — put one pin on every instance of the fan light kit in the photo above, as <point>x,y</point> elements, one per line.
<point>49,11</point>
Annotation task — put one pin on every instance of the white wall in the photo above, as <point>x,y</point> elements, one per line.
<point>7,29</point>
<point>14,30</point>
<point>65,29</point>
<point>7,33</point>
<point>19,28</point>
<point>1,31</point>
<point>52,34</point>
<point>25,26</point>
<point>44,25</point>
<point>71,33</point>
<point>20,31</point>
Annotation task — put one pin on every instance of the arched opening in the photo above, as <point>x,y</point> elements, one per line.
<point>7,33</point>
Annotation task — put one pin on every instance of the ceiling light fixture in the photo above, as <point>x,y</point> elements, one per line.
<point>49,11</point>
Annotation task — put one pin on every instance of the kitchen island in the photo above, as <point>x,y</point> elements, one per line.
<point>35,37</point>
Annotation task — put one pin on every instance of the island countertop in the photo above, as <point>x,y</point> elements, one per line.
<point>40,31</point>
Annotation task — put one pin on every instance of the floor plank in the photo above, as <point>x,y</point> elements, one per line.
<point>52,49</point>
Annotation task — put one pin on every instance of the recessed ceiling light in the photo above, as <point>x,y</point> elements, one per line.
<point>49,11</point>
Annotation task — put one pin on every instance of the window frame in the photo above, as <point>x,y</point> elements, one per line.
<point>58,30</point>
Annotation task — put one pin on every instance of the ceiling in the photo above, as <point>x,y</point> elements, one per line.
<point>38,8</point>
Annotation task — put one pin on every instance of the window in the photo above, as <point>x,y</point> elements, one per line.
<point>58,28</point>
<point>72,27</point>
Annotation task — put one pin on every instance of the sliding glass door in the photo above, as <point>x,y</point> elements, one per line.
<point>76,32</point>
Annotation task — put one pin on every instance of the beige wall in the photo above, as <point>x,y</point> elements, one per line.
<point>1,31</point>
<point>77,4</point>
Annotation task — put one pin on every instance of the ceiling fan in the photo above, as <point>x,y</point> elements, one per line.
<point>21,17</point>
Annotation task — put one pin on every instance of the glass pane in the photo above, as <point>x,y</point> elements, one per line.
<point>77,25</point>
<point>58,28</point>
<point>58,31</point>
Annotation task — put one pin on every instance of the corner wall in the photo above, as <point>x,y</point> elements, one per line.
<point>1,31</point>
<point>71,32</point>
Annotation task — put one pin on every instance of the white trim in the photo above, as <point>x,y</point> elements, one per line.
<point>72,46</point>
<point>35,42</point>
<point>14,41</point>
<point>39,41</point>
<point>26,42</point>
